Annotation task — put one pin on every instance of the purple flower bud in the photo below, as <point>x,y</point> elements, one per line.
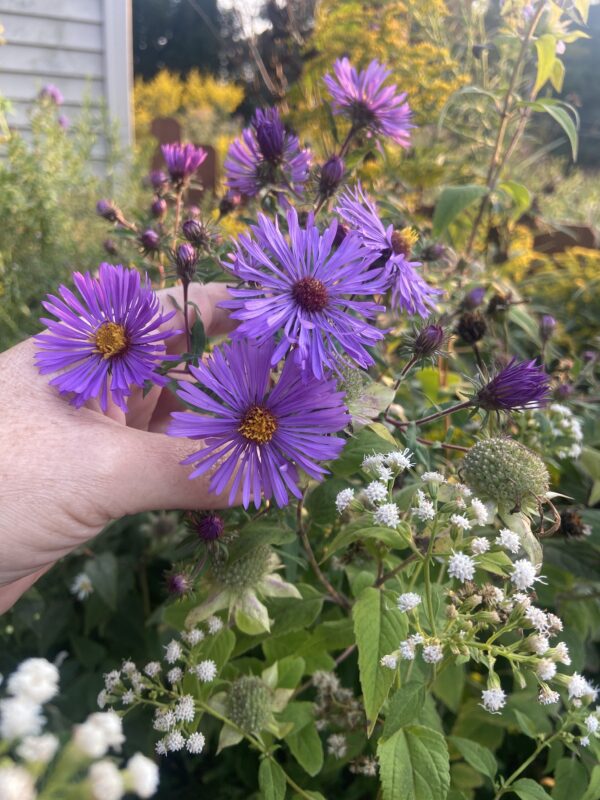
<point>159,208</point>
<point>428,341</point>
<point>110,247</point>
<point>209,527</point>
<point>332,173</point>
<point>178,584</point>
<point>52,93</point>
<point>150,241</point>
<point>196,232</point>
<point>157,179</point>
<point>64,121</point>
<point>270,134</point>
<point>182,161</point>
<point>520,385</point>
<point>185,262</point>
<point>474,298</point>
<point>108,210</point>
<point>547,326</point>
<point>433,252</point>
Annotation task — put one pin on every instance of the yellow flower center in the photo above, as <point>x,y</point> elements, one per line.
<point>404,240</point>
<point>258,425</point>
<point>110,339</point>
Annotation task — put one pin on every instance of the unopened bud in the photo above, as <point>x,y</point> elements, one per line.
<point>428,341</point>
<point>185,262</point>
<point>196,232</point>
<point>471,327</point>
<point>547,326</point>
<point>474,298</point>
<point>159,208</point>
<point>108,210</point>
<point>150,241</point>
<point>332,173</point>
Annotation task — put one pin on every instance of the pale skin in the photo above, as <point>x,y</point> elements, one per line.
<point>65,473</point>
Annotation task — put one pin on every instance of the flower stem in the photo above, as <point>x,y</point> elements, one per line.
<point>438,414</point>
<point>506,787</point>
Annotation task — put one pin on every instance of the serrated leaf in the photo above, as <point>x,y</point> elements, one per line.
<point>271,780</point>
<point>546,56</point>
<point>452,201</point>
<point>480,758</point>
<point>414,765</point>
<point>527,789</point>
<point>378,629</point>
<point>404,707</point>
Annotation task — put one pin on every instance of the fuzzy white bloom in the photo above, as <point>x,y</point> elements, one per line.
<point>537,618</point>
<point>480,511</point>
<point>36,679</point>
<point>325,681</point>
<point>555,624</point>
<point>161,748</point>
<point>509,540</point>
<point>81,586</point>
<point>389,661</point>
<point>16,783</point>
<point>522,599</point>
<point>164,720</point>
<point>195,743</point>
<point>399,459</point>
<point>102,699</point>
<point>548,697</point>
<point>372,462</point>
<point>432,653</point>
<point>425,510</point>
<point>173,652</point>
<point>152,669</point>
<point>185,710</point>
<point>584,741</point>
<point>214,624</point>
<point>174,741</point>
<point>143,775</point>
<point>19,717</point>
<point>560,653</point>
<point>376,492</point>
<point>128,667</point>
<point>409,646</point>
<point>206,670</point>
<point>343,500</point>
<point>539,644</point>
<point>433,477</point>
<point>38,749</point>
<point>128,697</point>
<point>546,669</point>
<point>174,675</point>
<point>337,745</point>
<point>524,574</point>
<point>461,566</point>
<point>408,601</point>
<point>112,679</point>
<point>461,522</point>
<point>480,545</point>
<point>579,687</point>
<point>462,489</point>
<point>106,781</point>
<point>493,700</point>
<point>592,723</point>
<point>384,473</point>
<point>387,515</point>
<point>98,733</point>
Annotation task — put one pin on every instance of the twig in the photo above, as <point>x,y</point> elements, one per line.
<point>393,572</point>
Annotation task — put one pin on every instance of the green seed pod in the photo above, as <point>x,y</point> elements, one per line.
<point>249,703</point>
<point>506,472</point>
<point>241,573</point>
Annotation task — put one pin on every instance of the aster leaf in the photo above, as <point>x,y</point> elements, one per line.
<point>452,201</point>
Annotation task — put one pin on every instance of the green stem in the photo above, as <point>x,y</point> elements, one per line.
<point>506,787</point>
<point>427,576</point>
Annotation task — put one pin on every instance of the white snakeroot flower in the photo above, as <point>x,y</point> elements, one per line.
<point>408,601</point>
<point>98,733</point>
<point>376,492</point>
<point>432,653</point>
<point>164,720</point>
<point>325,681</point>
<point>579,687</point>
<point>407,650</point>
<point>493,700</point>
<point>152,669</point>
<point>343,500</point>
<point>461,566</point>
<point>372,463</point>
<point>16,783</point>
<point>546,669</point>
<point>173,652</point>
<point>106,781</point>
<point>112,679</point>
<point>548,697</point>
<point>36,679</point>
<point>399,459</point>
<point>480,545</point>
<point>461,488</point>
<point>537,618</point>
<point>560,653</point>
<point>524,574</point>
<point>522,599</point>
<point>337,745</point>
<point>509,540</point>
<point>480,511</point>
<point>128,697</point>
<point>592,723</point>
<point>389,661</point>
<point>128,668</point>
<point>175,741</point>
<point>584,741</point>
<point>81,586</point>
<point>214,624</point>
<point>384,473</point>
<point>425,510</point>
<point>102,699</point>
<point>143,775</point>
<point>387,515</point>
<point>433,477</point>
<point>20,717</point>
<point>38,749</point>
<point>185,710</point>
<point>539,644</point>
<point>193,637</point>
<point>195,743</point>
<point>205,670</point>
<point>161,747</point>
<point>461,522</point>
<point>174,675</point>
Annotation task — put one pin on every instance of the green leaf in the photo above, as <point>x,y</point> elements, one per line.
<point>404,707</point>
<point>414,765</point>
<point>557,78</point>
<point>546,54</point>
<point>593,790</point>
<point>363,530</point>
<point>452,201</point>
<point>519,194</point>
<point>527,789</point>
<point>293,614</point>
<point>198,338</point>
<point>306,747</point>
<point>378,629</point>
<point>271,780</point>
<point>320,503</point>
<point>449,685</point>
<point>480,758</point>
<point>525,724</point>
<point>103,571</point>
<point>559,112</point>
<point>571,779</point>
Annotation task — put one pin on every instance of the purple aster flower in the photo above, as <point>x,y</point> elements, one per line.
<point>362,98</point>
<point>207,526</point>
<point>157,179</point>
<point>107,339</point>
<point>331,176</point>
<point>182,161</point>
<point>410,292</point>
<point>52,93</point>
<point>520,385</point>
<point>306,290</point>
<point>266,155</point>
<point>260,434</point>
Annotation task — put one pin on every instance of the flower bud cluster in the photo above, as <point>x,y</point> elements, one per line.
<point>336,707</point>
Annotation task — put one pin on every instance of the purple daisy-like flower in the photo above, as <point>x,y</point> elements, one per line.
<point>182,160</point>
<point>305,289</point>
<point>362,97</point>
<point>520,385</point>
<point>107,339</point>
<point>52,93</point>
<point>260,434</point>
<point>266,155</point>
<point>409,291</point>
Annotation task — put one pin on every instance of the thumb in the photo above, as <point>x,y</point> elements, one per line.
<point>149,476</point>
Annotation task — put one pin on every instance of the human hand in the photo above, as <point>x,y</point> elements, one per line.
<point>65,472</point>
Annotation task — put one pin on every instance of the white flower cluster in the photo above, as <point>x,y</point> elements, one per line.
<point>566,430</point>
<point>81,586</point>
